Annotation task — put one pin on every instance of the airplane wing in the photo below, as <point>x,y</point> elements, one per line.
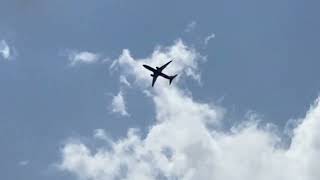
<point>164,66</point>
<point>149,68</point>
<point>154,80</point>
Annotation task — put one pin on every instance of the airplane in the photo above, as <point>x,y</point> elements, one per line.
<point>158,72</point>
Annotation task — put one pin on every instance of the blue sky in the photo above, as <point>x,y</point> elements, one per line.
<point>57,83</point>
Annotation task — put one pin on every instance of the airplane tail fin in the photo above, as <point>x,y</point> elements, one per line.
<point>171,78</point>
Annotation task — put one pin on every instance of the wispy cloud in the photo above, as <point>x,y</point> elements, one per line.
<point>24,163</point>
<point>5,50</point>
<point>186,143</point>
<point>118,105</point>
<point>123,80</point>
<point>100,134</point>
<point>208,38</point>
<point>83,57</point>
<point>191,26</point>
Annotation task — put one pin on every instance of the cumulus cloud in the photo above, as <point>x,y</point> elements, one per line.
<point>186,142</point>
<point>83,57</point>
<point>208,38</point>
<point>185,63</point>
<point>5,50</point>
<point>118,105</point>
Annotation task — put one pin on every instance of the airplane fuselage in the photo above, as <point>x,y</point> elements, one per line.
<point>156,72</point>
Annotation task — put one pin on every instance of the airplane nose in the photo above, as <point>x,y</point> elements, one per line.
<point>147,67</point>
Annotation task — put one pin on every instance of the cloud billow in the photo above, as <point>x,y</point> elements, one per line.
<point>181,145</point>
<point>118,105</point>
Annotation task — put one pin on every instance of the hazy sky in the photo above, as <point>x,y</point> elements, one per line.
<point>71,79</point>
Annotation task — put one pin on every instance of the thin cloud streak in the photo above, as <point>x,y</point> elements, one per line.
<point>208,38</point>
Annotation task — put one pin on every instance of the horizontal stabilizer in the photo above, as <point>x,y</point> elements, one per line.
<point>171,78</point>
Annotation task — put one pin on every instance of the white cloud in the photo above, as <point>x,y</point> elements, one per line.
<point>185,63</point>
<point>118,105</point>
<point>23,163</point>
<point>191,26</point>
<point>181,145</point>
<point>208,38</point>
<point>123,80</point>
<point>5,50</point>
<point>100,134</point>
<point>83,57</point>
